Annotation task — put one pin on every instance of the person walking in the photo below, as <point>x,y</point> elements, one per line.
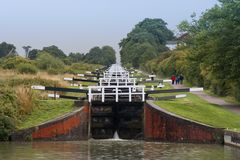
<point>177,79</point>
<point>181,78</point>
<point>173,78</point>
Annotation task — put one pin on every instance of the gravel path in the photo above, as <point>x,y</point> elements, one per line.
<point>214,100</point>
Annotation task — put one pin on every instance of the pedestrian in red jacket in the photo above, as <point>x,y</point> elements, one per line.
<point>173,78</point>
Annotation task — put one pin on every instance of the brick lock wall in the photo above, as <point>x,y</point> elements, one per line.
<point>163,126</point>
<point>73,126</point>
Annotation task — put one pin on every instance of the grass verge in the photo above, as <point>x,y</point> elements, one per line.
<point>200,110</point>
<point>194,108</point>
<point>46,110</point>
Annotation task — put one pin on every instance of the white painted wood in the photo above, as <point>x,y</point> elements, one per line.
<point>53,96</point>
<point>181,96</point>
<point>196,89</point>
<point>152,76</point>
<point>130,94</point>
<point>38,87</point>
<point>80,87</point>
<point>152,88</point>
<point>80,75</point>
<point>67,79</point>
<point>116,80</point>
<point>160,85</point>
<point>167,80</point>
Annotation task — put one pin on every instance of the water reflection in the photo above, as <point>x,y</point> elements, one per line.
<point>98,149</point>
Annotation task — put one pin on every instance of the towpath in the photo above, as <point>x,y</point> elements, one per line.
<point>214,100</point>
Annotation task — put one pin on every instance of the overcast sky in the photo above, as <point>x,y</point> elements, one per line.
<point>78,25</point>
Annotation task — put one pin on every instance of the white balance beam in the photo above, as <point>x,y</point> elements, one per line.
<point>195,89</point>
<point>38,87</point>
<point>181,96</point>
<point>80,75</point>
<point>53,96</point>
<point>167,80</point>
<point>67,79</point>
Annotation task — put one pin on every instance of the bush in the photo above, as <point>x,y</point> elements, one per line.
<point>27,68</point>
<point>8,112</point>
<point>13,62</point>
<point>7,125</point>
<point>8,103</point>
<point>25,99</point>
<point>47,62</point>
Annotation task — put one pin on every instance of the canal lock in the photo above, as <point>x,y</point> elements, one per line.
<point>125,118</point>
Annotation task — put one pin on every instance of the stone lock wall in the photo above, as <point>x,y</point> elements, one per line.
<point>73,126</point>
<point>161,125</point>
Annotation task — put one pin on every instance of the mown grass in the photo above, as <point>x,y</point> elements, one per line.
<point>46,110</point>
<point>195,108</point>
<point>200,110</point>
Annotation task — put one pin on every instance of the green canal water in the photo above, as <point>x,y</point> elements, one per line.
<point>107,149</point>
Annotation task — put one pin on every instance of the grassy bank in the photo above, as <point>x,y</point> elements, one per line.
<point>21,107</point>
<point>197,109</point>
<point>46,110</point>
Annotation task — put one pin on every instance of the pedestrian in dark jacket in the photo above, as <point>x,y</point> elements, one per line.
<point>177,79</point>
<point>173,78</point>
<point>181,78</point>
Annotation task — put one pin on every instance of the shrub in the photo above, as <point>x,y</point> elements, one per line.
<point>13,62</point>
<point>7,125</point>
<point>8,112</point>
<point>8,103</point>
<point>67,61</point>
<point>45,61</point>
<point>27,68</point>
<point>25,98</point>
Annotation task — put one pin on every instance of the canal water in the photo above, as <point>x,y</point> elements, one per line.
<point>112,149</point>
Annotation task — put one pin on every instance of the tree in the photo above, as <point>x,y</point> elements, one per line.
<point>33,54</point>
<point>54,51</point>
<point>6,49</point>
<point>213,44</point>
<point>104,55</point>
<point>76,57</point>
<point>46,61</point>
<point>26,49</point>
<point>151,36</point>
<point>109,55</point>
<point>94,56</point>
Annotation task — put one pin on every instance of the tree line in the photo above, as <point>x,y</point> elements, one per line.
<point>96,55</point>
<point>208,53</point>
<point>54,60</point>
